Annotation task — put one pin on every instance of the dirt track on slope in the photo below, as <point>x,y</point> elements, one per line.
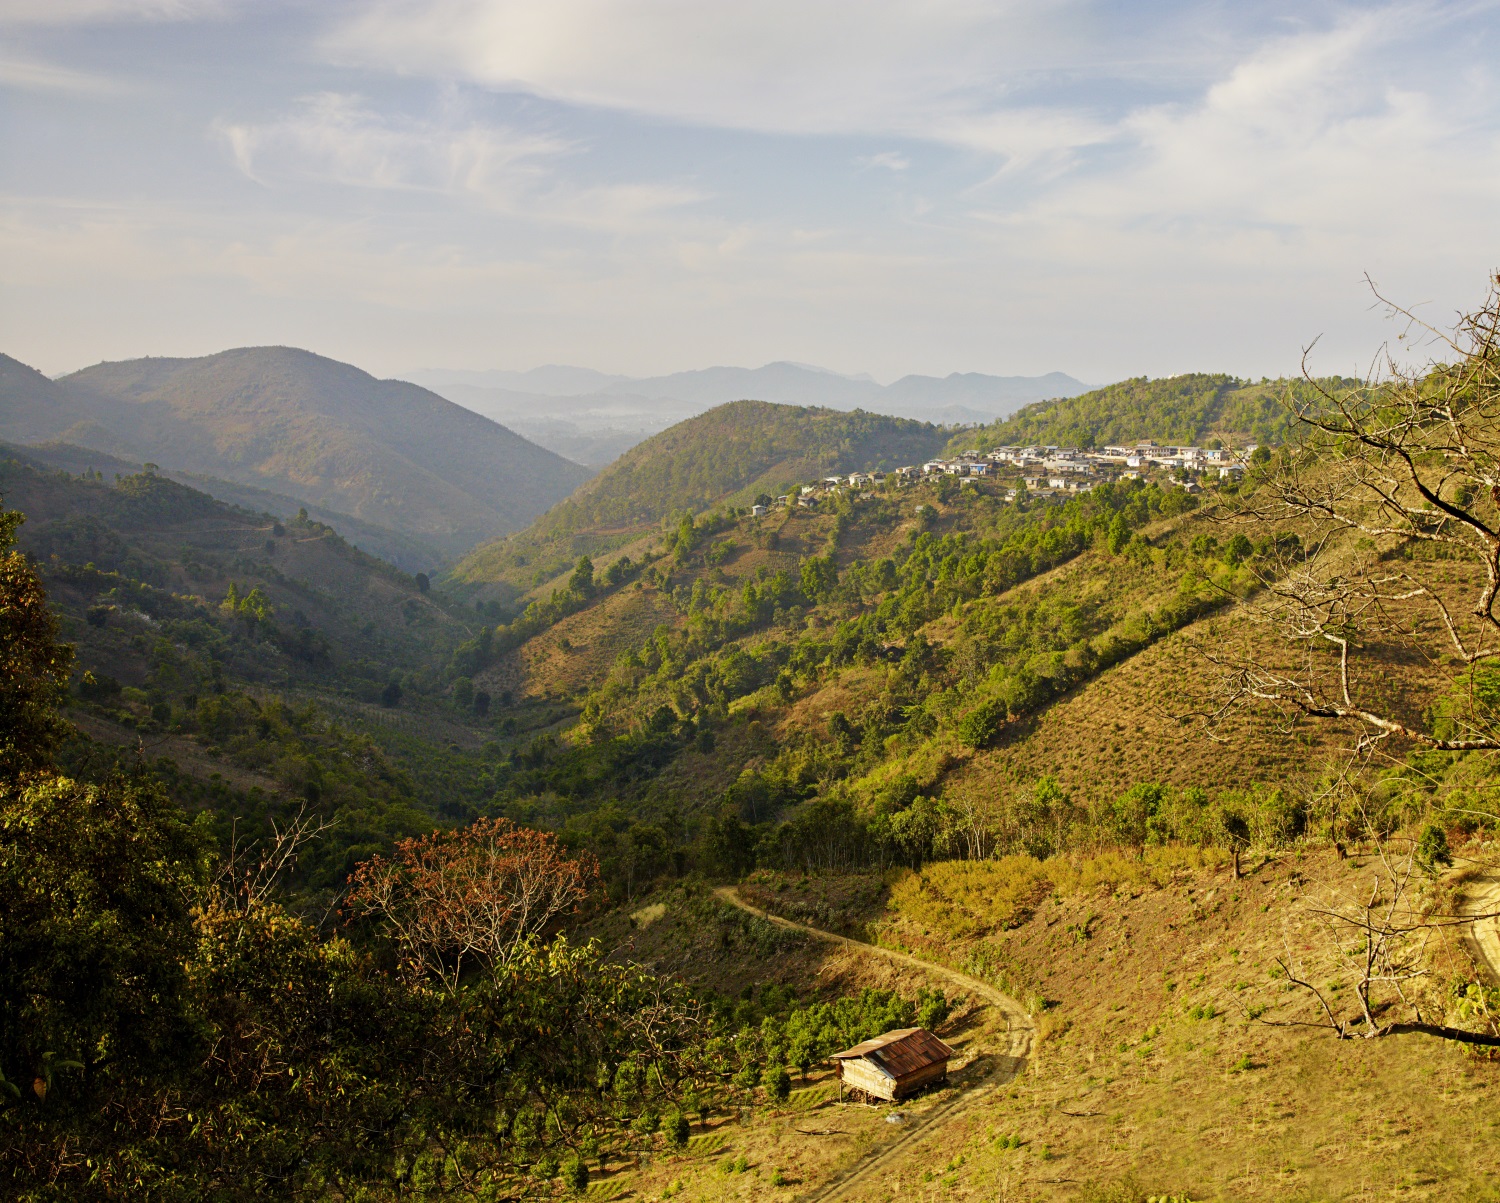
<point>1481,896</point>
<point>984,1072</point>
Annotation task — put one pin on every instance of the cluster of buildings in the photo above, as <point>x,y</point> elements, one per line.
<point>1071,469</point>
<point>1045,469</point>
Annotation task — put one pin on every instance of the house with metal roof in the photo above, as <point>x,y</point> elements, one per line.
<point>893,1066</point>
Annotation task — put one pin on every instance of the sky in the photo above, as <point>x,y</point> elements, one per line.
<point>1107,189</point>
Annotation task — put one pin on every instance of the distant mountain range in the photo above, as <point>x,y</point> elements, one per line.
<point>285,428</point>
<point>593,417</point>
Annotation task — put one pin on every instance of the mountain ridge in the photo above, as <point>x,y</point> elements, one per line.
<point>388,453</point>
<point>596,421</point>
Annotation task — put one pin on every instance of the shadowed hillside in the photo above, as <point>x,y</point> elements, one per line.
<point>388,453</point>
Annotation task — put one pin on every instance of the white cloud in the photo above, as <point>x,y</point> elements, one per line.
<point>1120,199</point>
<point>839,66</point>
<point>1306,144</point>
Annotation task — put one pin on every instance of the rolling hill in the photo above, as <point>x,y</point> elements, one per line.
<point>1192,408</point>
<point>327,434</point>
<point>725,456</point>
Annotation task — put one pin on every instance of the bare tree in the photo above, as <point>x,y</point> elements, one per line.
<point>251,873</point>
<point>1391,500</point>
<point>471,897</point>
<point>1383,936</point>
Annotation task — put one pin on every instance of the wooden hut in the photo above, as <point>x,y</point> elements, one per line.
<point>893,1066</point>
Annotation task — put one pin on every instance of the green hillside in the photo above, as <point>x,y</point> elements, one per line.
<point>725,456</point>
<point>387,453</point>
<point>409,552</point>
<point>1195,408</point>
<point>948,721</point>
<point>270,662</point>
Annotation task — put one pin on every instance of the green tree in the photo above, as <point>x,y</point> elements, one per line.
<point>981,724</point>
<point>463,693</point>
<point>778,1083</point>
<point>820,575</point>
<point>33,664</point>
<point>575,1174</point>
<point>97,883</point>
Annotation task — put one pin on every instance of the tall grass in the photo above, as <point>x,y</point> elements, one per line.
<point>965,899</point>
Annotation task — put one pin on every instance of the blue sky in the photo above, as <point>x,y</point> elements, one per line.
<point>645,186</point>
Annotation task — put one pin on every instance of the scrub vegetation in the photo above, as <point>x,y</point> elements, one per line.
<point>321,880</point>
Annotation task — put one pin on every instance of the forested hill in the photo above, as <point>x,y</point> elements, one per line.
<point>1192,408</point>
<point>388,453</point>
<point>206,631</point>
<point>725,456</point>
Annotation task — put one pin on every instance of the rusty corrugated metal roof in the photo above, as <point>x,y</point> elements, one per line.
<point>901,1052</point>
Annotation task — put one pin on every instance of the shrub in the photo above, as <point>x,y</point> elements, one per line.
<point>933,1008</point>
<point>678,1130</point>
<point>575,1174</point>
<point>979,726</point>
<point>778,1083</point>
<point>1432,848</point>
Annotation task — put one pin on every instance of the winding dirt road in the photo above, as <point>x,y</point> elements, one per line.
<point>1481,896</point>
<point>984,1072</point>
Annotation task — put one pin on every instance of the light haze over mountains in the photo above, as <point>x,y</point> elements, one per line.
<point>593,417</point>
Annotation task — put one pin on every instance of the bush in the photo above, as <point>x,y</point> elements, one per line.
<point>1432,848</point>
<point>678,1130</point>
<point>979,726</point>
<point>778,1083</point>
<point>575,1174</point>
<point>932,1009</point>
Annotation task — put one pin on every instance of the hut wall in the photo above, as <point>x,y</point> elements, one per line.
<point>861,1075</point>
<point>911,1083</point>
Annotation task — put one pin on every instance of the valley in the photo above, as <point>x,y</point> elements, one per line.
<point>948,746</point>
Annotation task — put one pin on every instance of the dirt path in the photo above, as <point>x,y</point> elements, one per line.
<point>983,1073</point>
<point>1482,897</point>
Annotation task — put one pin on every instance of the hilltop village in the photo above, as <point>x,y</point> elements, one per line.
<point>1045,472</point>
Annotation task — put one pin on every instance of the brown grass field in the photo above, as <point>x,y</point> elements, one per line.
<point>1159,1068</point>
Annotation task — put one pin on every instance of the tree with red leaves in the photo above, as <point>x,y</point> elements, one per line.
<point>470,898</point>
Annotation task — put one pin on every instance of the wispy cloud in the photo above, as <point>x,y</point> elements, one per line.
<point>84,12</point>
<point>34,75</point>
<point>840,66</point>
<point>897,185</point>
<point>342,139</point>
